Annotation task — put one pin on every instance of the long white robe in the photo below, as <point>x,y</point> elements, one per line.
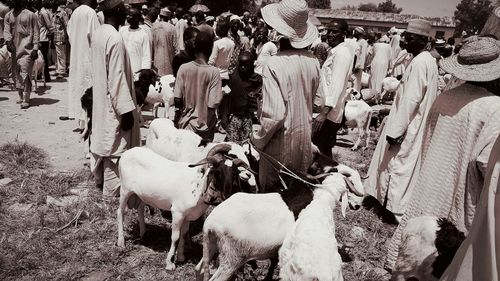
<point>81,27</point>
<point>380,65</point>
<point>138,47</point>
<point>479,256</point>
<point>113,95</point>
<point>391,169</point>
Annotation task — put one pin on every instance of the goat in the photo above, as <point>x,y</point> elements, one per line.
<point>309,251</point>
<point>428,245</point>
<point>186,146</point>
<point>181,188</point>
<point>249,227</point>
<point>154,90</point>
<point>358,114</point>
<point>39,67</point>
<point>389,86</point>
<point>86,102</point>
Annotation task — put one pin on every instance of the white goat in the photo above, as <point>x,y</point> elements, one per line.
<point>358,115</point>
<point>428,245</point>
<point>185,146</point>
<point>162,93</point>
<point>310,249</point>
<point>253,226</point>
<point>39,67</point>
<point>184,190</point>
<point>389,85</point>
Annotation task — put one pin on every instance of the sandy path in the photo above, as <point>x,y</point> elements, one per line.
<point>40,125</point>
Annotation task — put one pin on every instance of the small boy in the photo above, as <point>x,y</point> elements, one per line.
<point>245,86</point>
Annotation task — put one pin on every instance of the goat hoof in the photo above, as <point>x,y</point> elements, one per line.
<point>170,266</point>
<point>354,148</point>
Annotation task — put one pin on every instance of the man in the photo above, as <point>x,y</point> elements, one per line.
<point>136,41</point>
<point>3,11</point>
<point>187,54</point>
<point>81,27</point>
<point>21,35</point>
<point>321,49</point>
<point>202,24</point>
<point>45,25</point>
<point>263,48</point>
<point>180,26</point>
<point>222,51</point>
<point>115,125</point>
<point>398,150</point>
<point>70,7</point>
<point>335,74</point>
<point>196,100</point>
<point>290,80</point>
<point>361,58</point>
<point>150,18</point>
<point>380,64</point>
<point>458,135</point>
<point>164,43</point>
<point>60,21</point>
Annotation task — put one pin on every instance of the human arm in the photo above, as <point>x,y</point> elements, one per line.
<point>213,55</point>
<point>273,109</point>
<point>408,101</point>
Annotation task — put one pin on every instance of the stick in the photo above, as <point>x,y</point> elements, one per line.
<point>74,220</point>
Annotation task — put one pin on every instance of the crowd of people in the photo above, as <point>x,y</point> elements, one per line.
<point>276,69</point>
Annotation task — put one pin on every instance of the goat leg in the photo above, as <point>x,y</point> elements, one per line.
<point>177,220</point>
<point>272,266</point>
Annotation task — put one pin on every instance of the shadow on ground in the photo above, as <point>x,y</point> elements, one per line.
<point>42,101</point>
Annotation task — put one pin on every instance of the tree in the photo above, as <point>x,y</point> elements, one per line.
<point>388,7</point>
<point>319,4</point>
<point>368,7</point>
<point>471,15</point>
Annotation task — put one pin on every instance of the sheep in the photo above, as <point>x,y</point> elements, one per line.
<point>39,67</point>
<point>249,227</point>
<point>309,251</point>
<point>358,114</point>
<point>148,178</point>
<point>186,146</point>
<point>389,86</point>
<point>428,245</point>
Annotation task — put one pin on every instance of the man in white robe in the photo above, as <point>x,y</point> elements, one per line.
<point>335,74</point>
<point>396,157</point>
<point>136,42</point>
<point>115,126</point>
<point>361,58</point>
<point>81,27</point>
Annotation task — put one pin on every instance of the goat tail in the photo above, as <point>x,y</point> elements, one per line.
<point>353,175</point>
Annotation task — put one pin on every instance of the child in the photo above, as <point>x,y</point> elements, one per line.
<point>245,85</point>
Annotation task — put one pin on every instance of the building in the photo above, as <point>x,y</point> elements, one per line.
<point>382,22</point>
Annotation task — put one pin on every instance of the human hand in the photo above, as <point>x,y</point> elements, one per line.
<point>127,121</point>
<point>318,122</point>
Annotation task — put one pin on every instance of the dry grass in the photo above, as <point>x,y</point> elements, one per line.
<point>32,248</point>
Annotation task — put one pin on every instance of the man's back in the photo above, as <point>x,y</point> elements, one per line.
<point>164,46</point>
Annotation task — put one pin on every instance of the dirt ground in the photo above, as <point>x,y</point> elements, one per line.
<point>40,124</point>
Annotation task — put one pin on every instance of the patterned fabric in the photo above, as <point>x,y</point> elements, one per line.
<point>239,128</point>
<point>238,46</point>
<point>60,21</point>
<point>164,46</point>
<point>458,136</point>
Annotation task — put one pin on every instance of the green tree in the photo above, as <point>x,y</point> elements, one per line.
<point>388,7</point>
<point>319,4</point>
<point>367,7</point>
<point>471,15</point>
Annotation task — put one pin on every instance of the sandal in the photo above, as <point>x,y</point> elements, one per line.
<point>25,105</point>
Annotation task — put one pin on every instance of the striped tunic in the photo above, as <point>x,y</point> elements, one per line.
<point>290,81</point>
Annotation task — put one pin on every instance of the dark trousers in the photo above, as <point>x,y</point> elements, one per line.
<point>44,48</point>
<point>326,137</point>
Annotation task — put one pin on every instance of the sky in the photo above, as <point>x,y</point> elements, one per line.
<point>431,8</point>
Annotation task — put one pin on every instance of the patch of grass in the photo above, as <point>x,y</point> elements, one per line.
<point>35,246</point>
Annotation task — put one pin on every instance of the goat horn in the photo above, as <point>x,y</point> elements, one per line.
<point>219,148</point>
<point>209,160</point>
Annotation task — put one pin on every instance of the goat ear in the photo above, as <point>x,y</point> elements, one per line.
<point>344,204</point>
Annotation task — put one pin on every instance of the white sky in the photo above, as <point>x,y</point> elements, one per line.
<point>432,8</point>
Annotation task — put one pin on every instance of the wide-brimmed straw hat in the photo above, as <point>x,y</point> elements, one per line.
<point>478,60</point>
<point>291,18</point>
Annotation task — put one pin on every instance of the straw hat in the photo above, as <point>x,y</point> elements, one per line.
<point>477,60</point>
<point>359,29</point>
<point>420,27</point>
<point>291,18</point>
<point>109,4</point>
